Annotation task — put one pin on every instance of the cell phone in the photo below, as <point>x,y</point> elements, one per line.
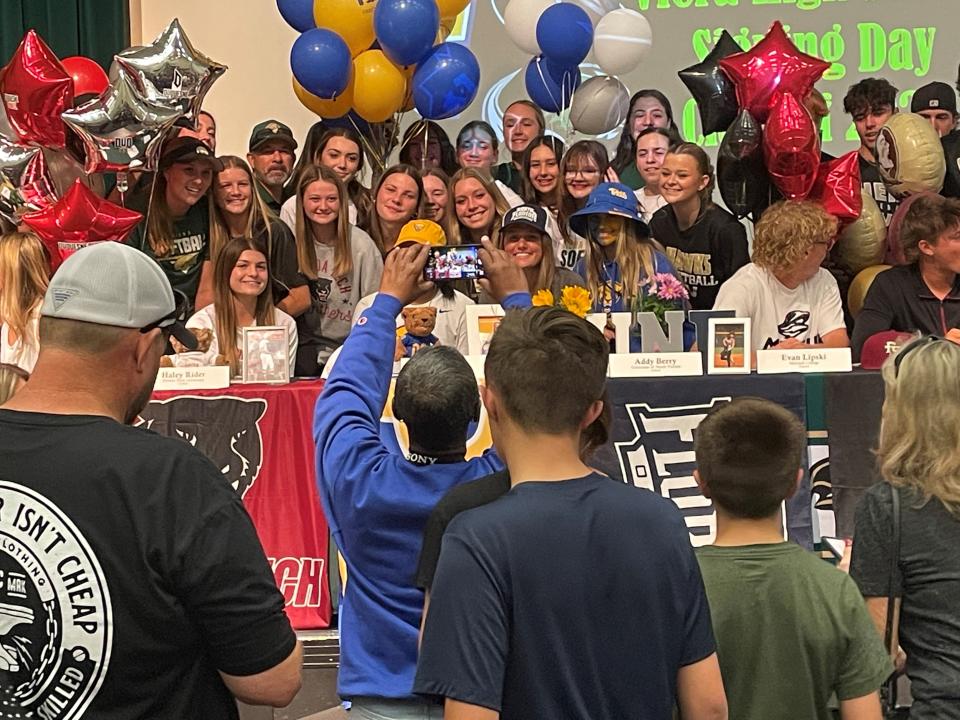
<point>453,262</point>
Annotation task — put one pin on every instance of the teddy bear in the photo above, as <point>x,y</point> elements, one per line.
<point>418,323</point>
<point>204,340</point>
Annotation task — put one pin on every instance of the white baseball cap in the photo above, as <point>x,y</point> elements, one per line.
<point>113,284</point>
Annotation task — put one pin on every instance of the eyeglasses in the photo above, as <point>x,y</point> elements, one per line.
<point>179,314</point>
<point>582,172</point>
<point>898,358</point>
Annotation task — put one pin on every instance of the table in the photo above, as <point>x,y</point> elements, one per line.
<point>260,437</point>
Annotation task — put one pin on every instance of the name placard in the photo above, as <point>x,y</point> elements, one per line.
<point>803,360</point>
<point>211,377</point>
<point>667,364</point>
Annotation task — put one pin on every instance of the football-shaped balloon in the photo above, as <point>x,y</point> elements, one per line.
<point>599,105</point>
<point>863,242</point>
<point>910,156</point>
<point>860,285</point>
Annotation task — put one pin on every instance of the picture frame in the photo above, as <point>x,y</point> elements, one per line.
<point>265,355</point>
<point>482,321</point>
<point>729,348</point>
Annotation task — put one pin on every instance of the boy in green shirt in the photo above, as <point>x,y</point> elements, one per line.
<point>791,629</point>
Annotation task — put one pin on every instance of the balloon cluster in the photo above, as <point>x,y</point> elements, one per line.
<point>559,35</point>
<point>368,60</point>
<point>121,120</point>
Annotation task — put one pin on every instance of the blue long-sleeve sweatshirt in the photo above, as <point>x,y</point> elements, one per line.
<point>377,503</point>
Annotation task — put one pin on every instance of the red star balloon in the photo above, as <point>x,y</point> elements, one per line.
<point>36,89</point>
<point>791,148</point>
<point>80,218</point>
<point>773,64</point>
<point>837,188</point>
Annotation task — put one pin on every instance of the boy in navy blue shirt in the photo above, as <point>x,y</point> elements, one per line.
<point>573,595</point>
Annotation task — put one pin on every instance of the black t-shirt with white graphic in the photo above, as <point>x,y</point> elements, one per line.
<point>130,573</point>
<point>872,183</point>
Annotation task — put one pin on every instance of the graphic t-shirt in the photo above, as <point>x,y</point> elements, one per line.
<point>189,247</point>
<point>552,600</point>
<point>806,313</point>
<point>874,186</point>
<point>706,254</point>
<point>130,573</point>
<point>791,629</point>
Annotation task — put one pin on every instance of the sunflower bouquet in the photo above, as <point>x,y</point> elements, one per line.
<point>572,298</point>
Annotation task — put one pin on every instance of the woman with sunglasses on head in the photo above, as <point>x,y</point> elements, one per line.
<point>923,295</point>
<point>791,300</point>
<point>705,243</point>
<point>341,150</point>
<point>175,231</point>
<point>426,146</point>
<point>478,205</point>
<point>242,298</point>
<point>398,198</point>
<point>24,276</point>
<point>620,260</point>
<point>340,261</point>
<point>239,212</point>
<point>648,109</point>
<point>907,527</point>
<point>583,167</point>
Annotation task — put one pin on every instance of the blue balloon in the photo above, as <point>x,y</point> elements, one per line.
<point>565,34</point>
<point>446,81</point>
<point>298,14</point>
<point>321,62</point>
<point>406,29</point>
<point>550,86</point>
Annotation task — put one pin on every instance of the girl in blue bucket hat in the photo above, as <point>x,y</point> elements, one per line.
<point>620,258</point>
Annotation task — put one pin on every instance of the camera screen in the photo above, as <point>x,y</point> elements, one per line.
<point>453,262</point>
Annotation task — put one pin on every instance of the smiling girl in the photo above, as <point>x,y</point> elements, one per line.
<point>478,205</point>
<point>397,199</point>
<point>648,109</point>
<point>583,168</point>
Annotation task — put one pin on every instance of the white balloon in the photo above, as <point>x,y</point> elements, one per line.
<point>599,105</point>
<point>520,21</point>
<point>622,39</point>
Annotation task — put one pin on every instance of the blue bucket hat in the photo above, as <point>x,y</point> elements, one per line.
<point>609,199</point>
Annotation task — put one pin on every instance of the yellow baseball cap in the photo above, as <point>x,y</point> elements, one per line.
<point>425,232</point>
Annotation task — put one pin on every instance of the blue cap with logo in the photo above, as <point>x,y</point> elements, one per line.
<point>609,199</point>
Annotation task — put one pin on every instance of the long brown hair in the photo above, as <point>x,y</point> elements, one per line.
<point>305,234</point>
<point>24,277</point>
<point>359,195</point>
<point>530,194</point>
<point>373,226</point>
<point>574,156</point>
<point>460,232</point>
<point>223,298</point>
<point>259,216</point>
<point>159,224</point>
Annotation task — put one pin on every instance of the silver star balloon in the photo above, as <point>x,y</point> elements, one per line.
<point>170,71</point>
<point>120,129</point>
<point>24,181</point>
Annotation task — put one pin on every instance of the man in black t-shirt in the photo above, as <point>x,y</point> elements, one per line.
<point>870,103</point>
<point>132,582</point>
<point>572,595</point>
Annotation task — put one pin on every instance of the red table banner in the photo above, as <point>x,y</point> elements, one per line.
<point>260,438</point>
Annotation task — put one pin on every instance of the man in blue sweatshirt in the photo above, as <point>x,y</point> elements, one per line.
<point>376,501</point>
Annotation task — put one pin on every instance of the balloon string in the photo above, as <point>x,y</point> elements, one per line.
<point>367,144</point>
<point>545,84</point>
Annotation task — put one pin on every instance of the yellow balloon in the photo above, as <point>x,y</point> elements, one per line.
<point>351,19</point>
<point>863,242</point>
<point>860,285</point>
<point>379,86</point>
<point>338,107</point>
<point>452,8</point>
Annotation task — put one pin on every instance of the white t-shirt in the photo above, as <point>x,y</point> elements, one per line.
<point>649,204</point>
<point>451,328</point>
<point>288,213</point>
<point>206,319</point>
<point>19,353</point>
<point>806,313</point>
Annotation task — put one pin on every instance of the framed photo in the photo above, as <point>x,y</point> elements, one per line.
<point>730,346</point>
<point>482,321</point>
<point>265,355</point>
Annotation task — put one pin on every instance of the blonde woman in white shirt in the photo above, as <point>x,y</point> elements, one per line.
<point>24,277</point>
<point>243,298</point>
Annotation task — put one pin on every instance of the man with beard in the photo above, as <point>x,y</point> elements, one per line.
<point>271,153</point>
<point>132,582</point>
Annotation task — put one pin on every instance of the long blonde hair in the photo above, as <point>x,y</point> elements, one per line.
<point>304,232</point>
<point>259,216</point>
<point>920,430</point>
<point>460,234</point>
<point>24,276</point>
<point>226,311</point>
<point>634,256</point>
